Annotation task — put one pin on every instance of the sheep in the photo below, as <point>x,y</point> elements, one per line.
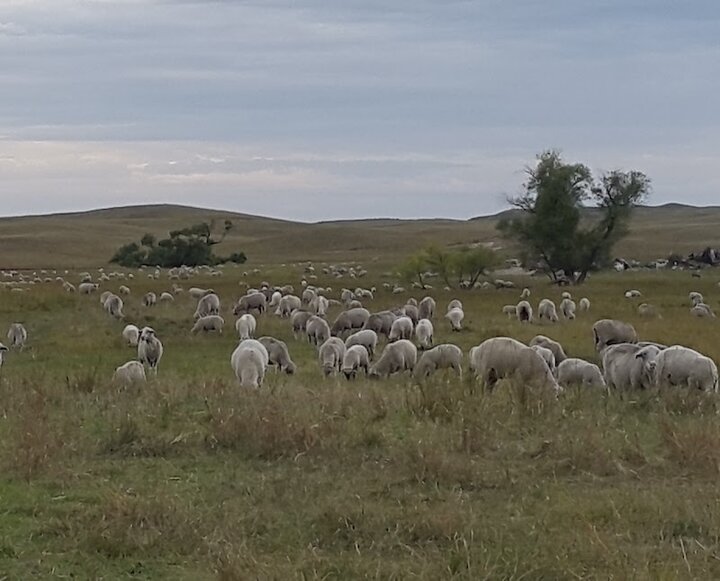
<point>124,290</point>
<point>525,294</point>
<point>86,288</point>
<point>678,365</point>
<point>167,297</point>
<point>17,335</point>
<point>455,316</point>
<point>584,305</point>
<point>365,337</point>
<point>444,356</point>
<point>547,310</point>
<point>567,308</point>
<point>331,354</point>
<point>524,312</point>
<point>702,310</point>
<point>245,326</point>
<point>149,299</point>
<point>252,302</point>
<point>287,305</point>
<point>349,320</point>
<point>547,356</point>
<point>355,357</point>
<point>299,320</point>
<point>346,296</point>
<point>454,304</point>
<point>278,354</point>
<point>197,293</point>
<point>355,304</point>
<point>104,296</point>
<point>556,348</point>
<point>317,330</point>
<point>207,305</point>
<point>575,371</point>
<point>424,333</point>
<point>113,305</point>
<point>426,308</point>
<point>320,305</point>
<point>150,348</point>
<point>380,322</point>
<point>628,365</point>
<point>646,310</point>
<point>129,373</point>
<point>696,298</point>
<point>3,350</point>
<point>412,312</point>
<point>510,311</point>
<point>208,324</point>
<point>632,294</point>
<point>611,332</point>
<point>308,296</point>
<point>131,335</point>
<point>249,362</point>
<point>504,357</point>
<point>398,356</point>
<point>566,295</point>
<point>402,328</point>
<point>274,300</point>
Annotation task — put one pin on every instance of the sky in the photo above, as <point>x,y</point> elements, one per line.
<point>315,110</point>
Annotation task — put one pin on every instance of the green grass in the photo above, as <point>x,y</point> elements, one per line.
<point>190,477</point>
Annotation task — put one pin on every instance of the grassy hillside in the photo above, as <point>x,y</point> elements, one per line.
<point>89,238</point>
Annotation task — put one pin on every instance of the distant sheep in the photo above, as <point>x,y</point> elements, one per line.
<point>287,305</point>
<point>356,357</point>
<point>575,371</point>
<point>632,294</point>
<point>113,306</point>
<point>396,357</point>
<point>584,305</point>
<point>166,297</point>
<point>17,335</point>
<point>696,298</point>
<point>444,356</point>
<point>455,316</point>
<point>245,326</point>
<point>124,290</point>
<point>524,312</point>
<point>149,299</point>
<point>129,373</point>
<point>510,311</point>
<point>525,294</point>
<point>454,304</point>
<point>548,311</point>
<point>87,288</point>
<point>249,361</point>
<point>299,320</point>
<point>207,305</point>
<point>646,310</point>
<point>702,310</point>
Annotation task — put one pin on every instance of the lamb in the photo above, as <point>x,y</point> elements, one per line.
<point>556,348</point>
<point>510,311</point>
<point>584,305</point>
<point>454,304</point>
<point>131,335</point>
<point>129,373</point>
<point>249,362</point>
<point>575,371</point>
<point>402,328</point>
<point>629,366</point>
<point>245,326</point>
<point>113,305</point>
<point>679,365</point>
<point>317,330</point>
<point>455,316</point>
<point>611,332</point>
<point>299,320</point>
<point>331,355</point>
<point>547,356</point>
<point>356,357</point>
<point>504,357</point>
<point>149,299</point>
<point>278,354</point>
<point>287,305</point>
<point>702,310</point>
<point>445,356</point>
<point>396,357</point>
<point>524,312</point>
<point>547,310</point>
<point>150,348</point>
<point>349,320</point>
<point>567,308</point>
<point>426,308</point>
<point>424,333</point>
<point>380,322</point>
<point>208,324</point>
<point>365,337</point>
<point>17,335</point>
<point>252,302</point>
<point>207,305</point>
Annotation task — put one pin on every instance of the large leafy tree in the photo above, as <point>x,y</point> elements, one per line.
<point>568,221</point>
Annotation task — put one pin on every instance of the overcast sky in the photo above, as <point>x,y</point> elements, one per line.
<point>325,109</point>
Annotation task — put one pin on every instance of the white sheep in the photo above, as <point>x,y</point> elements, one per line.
<point>547,356</point>
<point>131,335</point>
<point>365,337</point>
<point>17,335</point>
<point>584,305</point>
<point>331,355</point>
<point>87,288</point>
<point>455,316</point>
<point>566,295</point>
<point>567,308</point>
<point>251,302</point>
<point>547,310</point>
<point>396,357</point>
<point>275,299</point>
<point>350,320</point>
<point>124,290</point>
<point>454,304</point>
<point>696,298</point>
<point>646,310</point>
<point>320,305</point>
<point>503,357</point>
<point>444,356</point>
<point>627,366</point>
<point>166,297</point>
<point>196,292</point>
<point>426,308</point>
<point>412,312</point>
<point>249,361</point>
<point>632,294</point>
<point>575,371</point>
<point>150,348</point>
<point>113,306</point>
<point>129,373</point>
<point>556,348</point>
<point>525,294</point>
<point>356,357</point>
<point>510,311</point>
<point>612,332</point>
<point>149,299</point>
<point>524,312</point>
<point>208,324</point>
<point>299,320</point>
<point>681,366</point>
<point>207,305</point>
<point>702,310</point>
<point>3,350</point>
<point>287,305</point>
<point>424,333</point>
<point>278,354</point>
<point>317,330</point>
<point>402,328</point>
<point>245,326</point>
<point>380,322</point>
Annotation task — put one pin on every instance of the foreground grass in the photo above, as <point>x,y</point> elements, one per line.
<point>190,478</point>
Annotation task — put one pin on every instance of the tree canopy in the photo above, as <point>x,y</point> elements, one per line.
<point>462,267</point>
<point>569,220</point>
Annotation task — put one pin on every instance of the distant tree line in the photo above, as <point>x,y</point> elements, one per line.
<point>191,246</point>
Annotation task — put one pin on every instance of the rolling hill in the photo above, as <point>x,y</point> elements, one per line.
<point>88,239</point>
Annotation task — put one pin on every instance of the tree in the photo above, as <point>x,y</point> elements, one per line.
<point>569,221</point>
<point>464,265</point>
<point>414,268</point>
<point>469,264</point>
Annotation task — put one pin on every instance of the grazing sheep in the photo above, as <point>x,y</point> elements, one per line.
<point>207,305</point>
<point>380,322</point>
<point>525,294</point>
<point>113,306</point>
<point>444,356</point>
<point>454,304</point>
<point>702,310</point>
<point>320,305</point>
<point>426,308</point>
<point>547,356</point>
<point>308,296</point>
<point>252,302</point>
<point>317,330</point>
<point>249,362</point>
<point>556,348</point>
<point>149,299</point>
<point>455,316</point>
<point>632,294</point>
<point>355,357</point>
<point>412,312</point>
<point>612,332</point>
<point>547,310</point>
<point>510,311</point>
<point>524,312</point>
<point>365,337</point>
<point>575,371</point>
<point>124,290</point>
<point>167,297</point>
<point>696,298</point>
<point>504,357</point>
<point>566,295</point>
<point>208,324</point>
<point>129,373</point>
<point>275,299</point>
<point>646,310</point>
<point>278,354</point>
<point>245,326</point>
<point>197,293</point>
<point>150,348</point>
<point>3,350</point>
<point>584,305</point>
<point>86,288</point>
<point>331,355</point>
<point>17,335</point>
<point>299,320</point>
<point>567,308</point>
<point>347,296</point>
<point>398,356</point>
<point>131,335</point>
<point>104,296</point>
<point>424,333</point>
<point>287,305</point>
<point>629,366</point>
<point>349,320</point>
<point>681,366</point>
<point>402,328</point>
<point>355,304</point>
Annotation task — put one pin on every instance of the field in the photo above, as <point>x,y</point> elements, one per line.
<point>190,477</point>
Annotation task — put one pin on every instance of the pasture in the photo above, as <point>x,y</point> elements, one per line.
<point>191,477</point>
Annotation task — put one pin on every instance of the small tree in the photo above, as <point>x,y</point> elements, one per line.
<point>414,268</point>
<point>465,265</point>
<point>469,264</point>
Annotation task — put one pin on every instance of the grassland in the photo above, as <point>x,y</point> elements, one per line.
<point>190,477</point>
